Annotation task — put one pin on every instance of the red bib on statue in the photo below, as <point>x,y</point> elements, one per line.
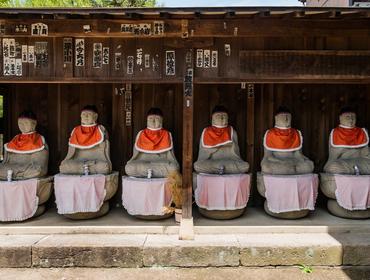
<point>26,143</point>
<point>355,137</point>
<point>283,140</point>
<point>153,141</point>
<point>86,137</point>
<point>213,136</point>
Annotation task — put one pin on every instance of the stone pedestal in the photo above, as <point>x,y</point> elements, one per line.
<point>110,186</point>
<point>294,214</point>
<point>221,197</point>
<point>148,199</point>
<point>328,186</point>
<point>43,192</point>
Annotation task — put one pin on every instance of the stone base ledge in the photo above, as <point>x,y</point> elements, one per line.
<point>232,250</point>
<point>160,273</point>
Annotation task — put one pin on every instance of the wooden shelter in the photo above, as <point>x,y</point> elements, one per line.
<point>185,61</point>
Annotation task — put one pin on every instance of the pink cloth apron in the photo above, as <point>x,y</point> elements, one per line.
<point>142,196</point>
<point>222,192</point>
<point>75,194</point>
<point>18,200</point>
<point>353,192</point>
<point>286,193</point>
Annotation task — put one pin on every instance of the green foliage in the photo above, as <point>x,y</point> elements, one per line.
<point>76,3</point>
<point>305,268</point>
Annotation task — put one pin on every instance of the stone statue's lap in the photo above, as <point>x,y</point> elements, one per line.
<point>231,166</point>
<point>346,166</point>
<point>160,168</point>
<point>76,166</point>
<point>21,171</point>
<point>24,166</point>
<point>286,166</point>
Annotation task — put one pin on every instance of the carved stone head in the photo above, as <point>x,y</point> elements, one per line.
<point>347,117</point>
<point>89,115</point>
<point>27,122</point>
<point>220,117</point>
<point>154,119</point>
<point>283,118</point>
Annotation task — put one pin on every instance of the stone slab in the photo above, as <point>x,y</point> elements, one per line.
<point>289,249</point>
<point>15,250</point>
<point>254,220</point>
<point>89,250</point>
<point>216,250</point>
<point>356,248</point>
<point>204,250</point>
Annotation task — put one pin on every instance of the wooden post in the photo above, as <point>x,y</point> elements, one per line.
<point>250,126</point>
<point>250,133</point>
<point>186,227</point>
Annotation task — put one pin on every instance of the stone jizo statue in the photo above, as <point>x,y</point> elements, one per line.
<point>348,147</point>
<point>26,155</point>
<point>153,154</point>
<point>218,148</point>
<point>283,148</point>
<point>88,147</point>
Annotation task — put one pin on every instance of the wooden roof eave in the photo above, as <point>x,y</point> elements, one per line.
<point>178,13</point>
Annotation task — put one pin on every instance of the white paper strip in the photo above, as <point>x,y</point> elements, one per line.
<point>31,54</point>
<point>214,62</point>
<point>105,55</point>
<point>80,52</point>
<point>170,63</point>
<point>18,67</point>
<point>199,62</point>
<point>207,59</point>
<point>24,53</point>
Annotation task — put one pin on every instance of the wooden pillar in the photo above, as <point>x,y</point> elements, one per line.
<point>122,122</point>
<point>250,135</point>
<point>250,126</point>
<point>186,227</point>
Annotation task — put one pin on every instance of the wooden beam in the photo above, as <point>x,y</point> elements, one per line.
<point>260,25</point>
<point>304,64</point>
<point>263,25</point>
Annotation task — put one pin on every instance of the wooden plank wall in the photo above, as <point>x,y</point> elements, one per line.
<point>315,111</point>
<point>58,110</point>
<point>231,68</point>
<point>315,107</point>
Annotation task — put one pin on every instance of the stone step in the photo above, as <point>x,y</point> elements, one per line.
<point>135,251</point>
<point>255,221</point>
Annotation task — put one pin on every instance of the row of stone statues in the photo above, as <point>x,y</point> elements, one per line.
<point>26,155</point>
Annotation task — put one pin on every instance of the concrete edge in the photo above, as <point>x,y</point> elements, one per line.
<point>170,230</point>
<point>153,250</point>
